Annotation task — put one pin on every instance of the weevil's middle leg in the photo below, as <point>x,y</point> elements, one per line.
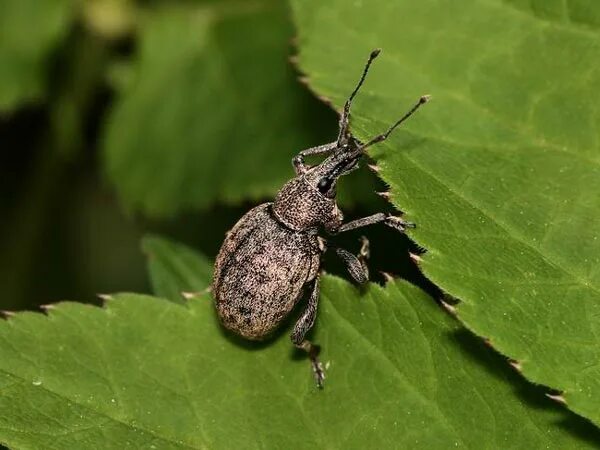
<point>364,254</point>
<point>303,326</point>
<point>356,265</point>
<point>392,221</point>
<point>357,270</point>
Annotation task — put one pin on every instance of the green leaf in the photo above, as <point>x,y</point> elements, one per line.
<point>175,269</point>
<point>213,110</point>
<point>29,31</point>
<point>147,373</point>
<point>501,171</point>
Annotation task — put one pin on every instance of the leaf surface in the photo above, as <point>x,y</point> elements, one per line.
<point>29,31</point>
<point>147,373</point>
<point>175,269</point>
<point>213,110</point>
<point>501,171</point>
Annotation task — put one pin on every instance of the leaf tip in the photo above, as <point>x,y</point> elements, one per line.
<point>6,314</point>
<point>448,307</point>
<point>386,276</point>
<point>47,308</point>
<point>516,365</point>
<point>415,258</point>
<point>188,295</point>
<point>303,79</point>
<point>557,398</point>
<point>105,298</point>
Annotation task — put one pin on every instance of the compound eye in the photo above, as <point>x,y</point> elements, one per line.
<point>324,185</point>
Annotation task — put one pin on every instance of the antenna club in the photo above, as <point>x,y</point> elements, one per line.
<point>375,53</point>
<point>424,98</point>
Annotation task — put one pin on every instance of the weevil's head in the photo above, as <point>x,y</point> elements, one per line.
<point>309,200</point>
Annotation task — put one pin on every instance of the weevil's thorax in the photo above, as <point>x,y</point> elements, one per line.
<point>300,206</point>
<point>309,200</point>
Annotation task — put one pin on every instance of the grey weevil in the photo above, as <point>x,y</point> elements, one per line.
<point>274,251</point>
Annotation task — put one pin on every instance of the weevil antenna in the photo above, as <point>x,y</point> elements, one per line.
<point>374,54</point>
<point>345,117</point>
<point>382,137</point>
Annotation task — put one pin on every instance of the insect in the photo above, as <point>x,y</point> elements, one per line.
<point>273,253</point>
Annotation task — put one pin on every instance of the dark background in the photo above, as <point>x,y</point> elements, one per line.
<point>64,233</point>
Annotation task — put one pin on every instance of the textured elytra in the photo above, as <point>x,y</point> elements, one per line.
<point>260,272</point>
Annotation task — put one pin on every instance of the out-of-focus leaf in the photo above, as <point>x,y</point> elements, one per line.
<point>212,111</point>
<point>501,171</point>
<point>29,31</point>
<point>175,269</point>
<point>112,19</point>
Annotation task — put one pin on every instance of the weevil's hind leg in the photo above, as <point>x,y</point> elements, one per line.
<point>307,319</point>
<point>317,367</point>
<point>303,326</point>
<point>298,160</point>
<point>344,133</point>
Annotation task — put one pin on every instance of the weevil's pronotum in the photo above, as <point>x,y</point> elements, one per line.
<point>274,252</point>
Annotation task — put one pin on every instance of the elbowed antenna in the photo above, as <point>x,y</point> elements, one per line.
<point>342,136</point>
<point>382,137</point>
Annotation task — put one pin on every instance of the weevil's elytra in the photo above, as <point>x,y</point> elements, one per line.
<point>272,256</point>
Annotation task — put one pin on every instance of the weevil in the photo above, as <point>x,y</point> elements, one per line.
<point>272,255</point>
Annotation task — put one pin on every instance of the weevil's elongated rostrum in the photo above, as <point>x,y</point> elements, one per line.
<point>273,254</point>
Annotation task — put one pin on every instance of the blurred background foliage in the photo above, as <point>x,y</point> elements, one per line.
<point>122,117</point>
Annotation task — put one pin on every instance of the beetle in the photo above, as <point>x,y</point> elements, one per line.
<point>272,255</point>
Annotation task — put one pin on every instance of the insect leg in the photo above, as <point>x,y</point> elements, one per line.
<point>303,325</point>
<point>392,221</point>
<point>356,266</point>
<point>364,254</point>
<point>298,160</point>
<point>345,116</point>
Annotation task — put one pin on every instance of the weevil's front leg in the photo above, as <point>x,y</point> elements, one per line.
<point>392,221</point>
<point>303,326</point>
<point>298,160</point>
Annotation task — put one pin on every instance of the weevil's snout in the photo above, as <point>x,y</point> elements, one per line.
<point>324,177</point>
